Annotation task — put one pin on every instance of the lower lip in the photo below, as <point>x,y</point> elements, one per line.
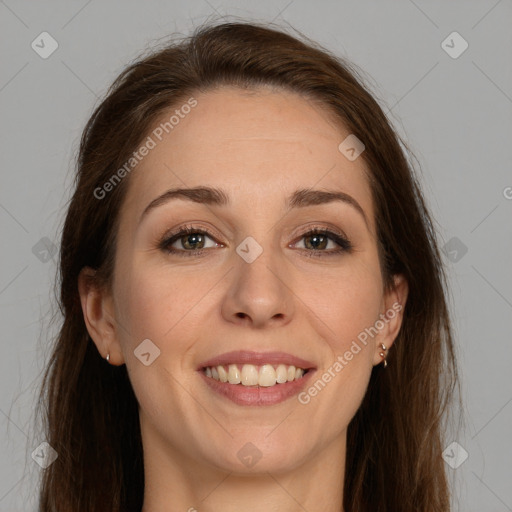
<point>252,395</point>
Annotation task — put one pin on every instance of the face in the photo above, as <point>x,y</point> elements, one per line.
<point>273,268</point>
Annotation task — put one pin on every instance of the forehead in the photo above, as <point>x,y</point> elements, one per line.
<point>256,144</point>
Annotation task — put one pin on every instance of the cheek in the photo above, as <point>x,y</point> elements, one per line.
<point>346,310</point>
<point>347,302</point>
<point>158,304</point>
<point>163,308</point>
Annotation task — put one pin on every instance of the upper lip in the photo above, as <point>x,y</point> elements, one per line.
<point>257,358</point>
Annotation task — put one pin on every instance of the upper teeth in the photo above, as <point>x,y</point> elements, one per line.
<point>251,375</point>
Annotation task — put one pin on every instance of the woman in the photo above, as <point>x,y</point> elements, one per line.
<point>253,298</point>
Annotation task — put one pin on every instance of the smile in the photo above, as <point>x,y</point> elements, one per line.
<point>256,378</point>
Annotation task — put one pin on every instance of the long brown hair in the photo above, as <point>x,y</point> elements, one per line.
<point>90,413</point>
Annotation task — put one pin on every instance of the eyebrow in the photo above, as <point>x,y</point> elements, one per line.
<point>217,197</point>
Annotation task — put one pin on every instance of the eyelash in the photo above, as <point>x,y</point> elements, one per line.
<point>339,238</point>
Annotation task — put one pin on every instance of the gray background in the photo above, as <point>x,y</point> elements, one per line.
<point>454,112</point>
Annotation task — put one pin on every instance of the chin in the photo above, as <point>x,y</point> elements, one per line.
<point>259,453</point>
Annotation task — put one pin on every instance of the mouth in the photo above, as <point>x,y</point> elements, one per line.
<point>251,378</point>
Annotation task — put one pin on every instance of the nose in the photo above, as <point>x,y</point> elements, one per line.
<point>259,294</point>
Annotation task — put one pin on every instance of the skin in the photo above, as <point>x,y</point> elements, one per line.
<point>259,146</point>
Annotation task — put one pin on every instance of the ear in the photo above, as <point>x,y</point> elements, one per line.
<point>99,316</point>
<point>392,315</point>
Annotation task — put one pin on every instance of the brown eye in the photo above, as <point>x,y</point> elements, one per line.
<point>317,241</point>
<point>188,240</point>
<point>192,241</point>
